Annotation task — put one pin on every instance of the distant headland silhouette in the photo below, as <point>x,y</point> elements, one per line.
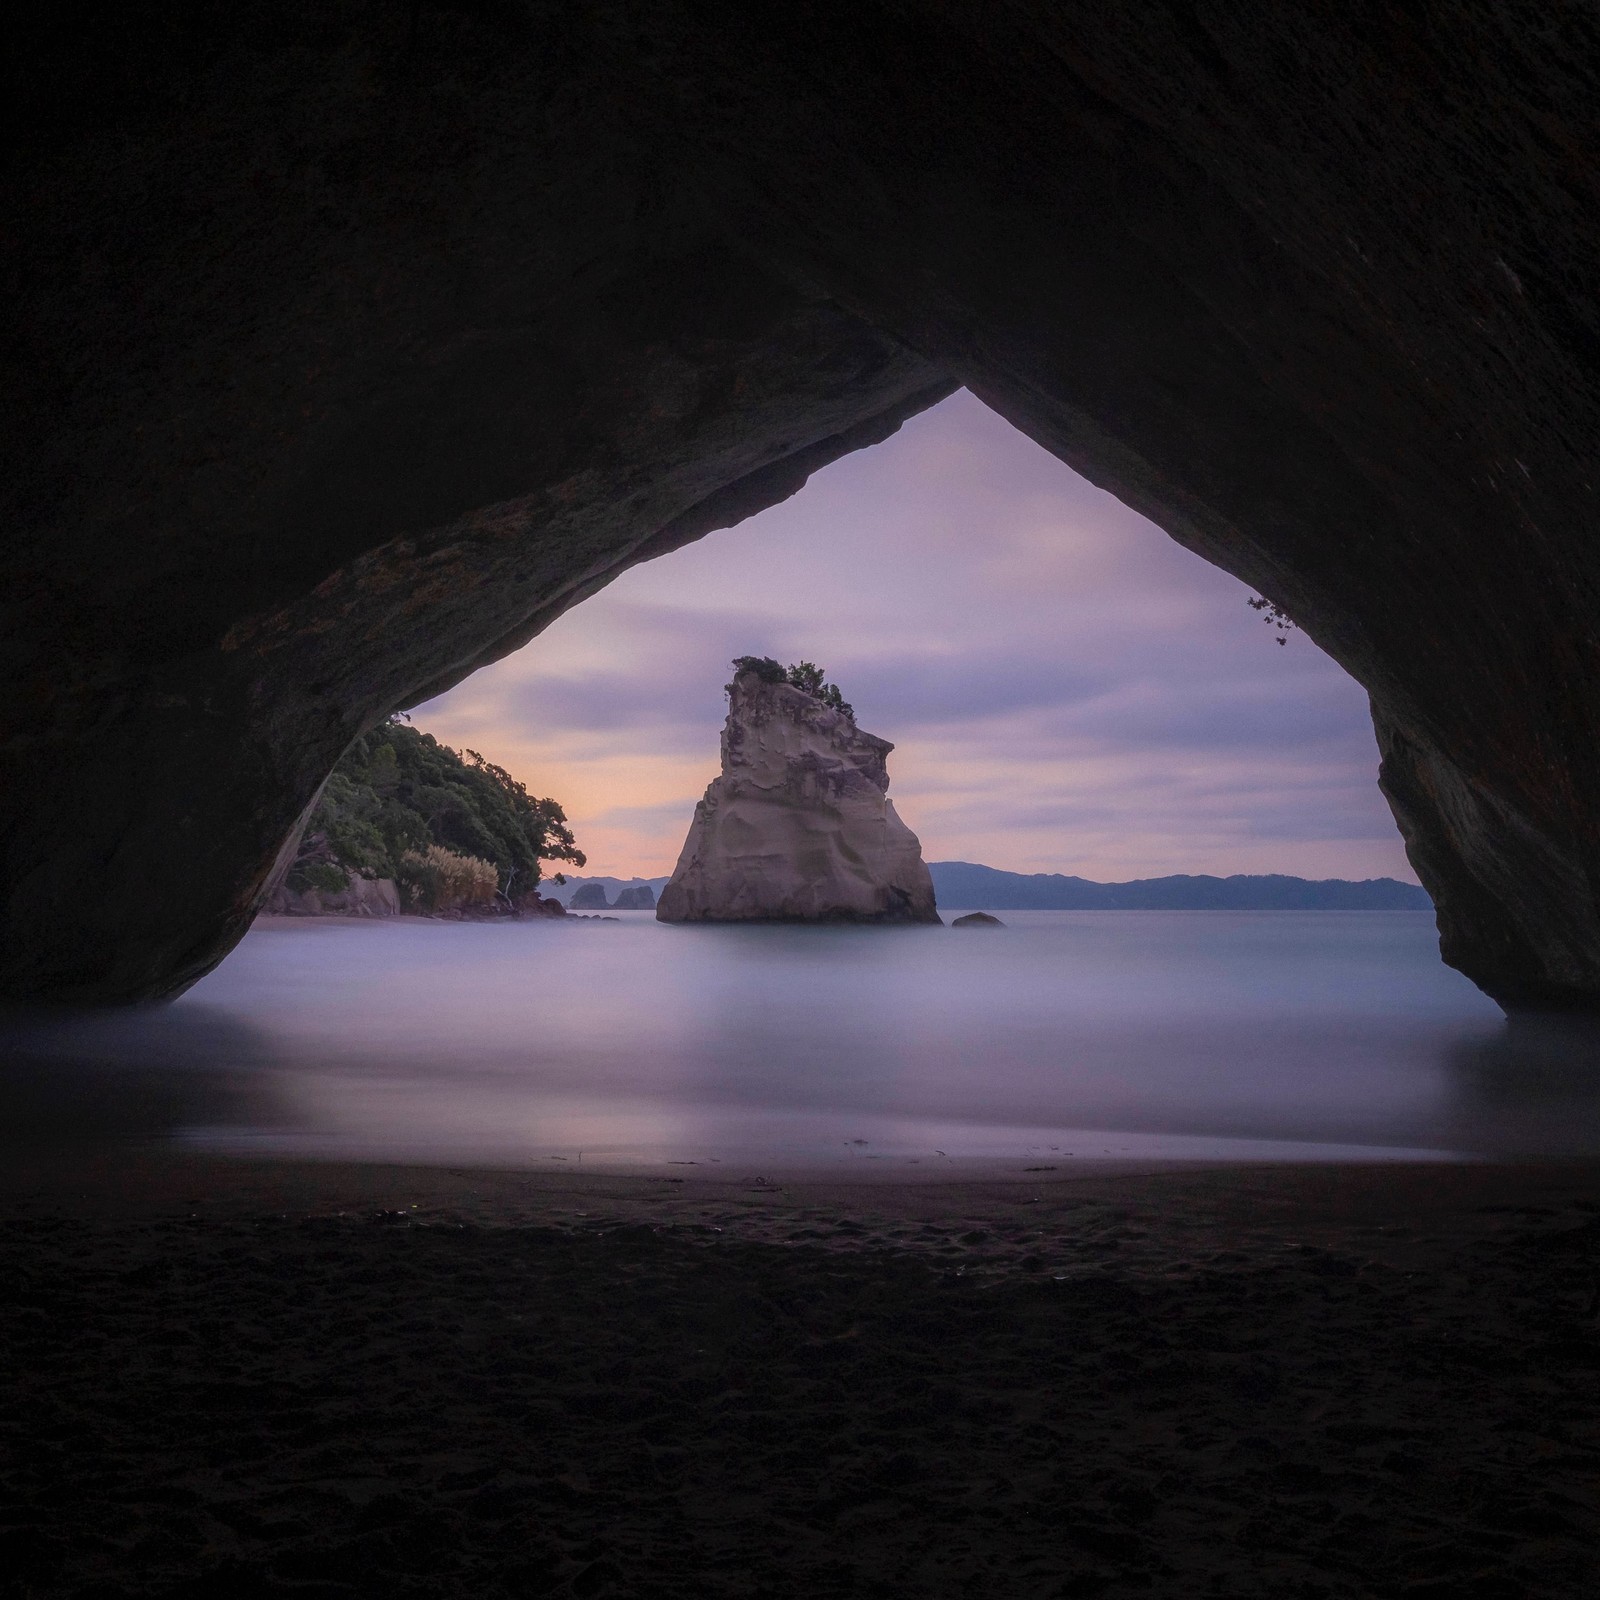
<point>970,886</point>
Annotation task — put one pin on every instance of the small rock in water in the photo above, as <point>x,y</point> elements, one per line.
<point>977,919</point>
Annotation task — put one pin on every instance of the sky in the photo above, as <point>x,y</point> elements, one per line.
<point>1067,689</point>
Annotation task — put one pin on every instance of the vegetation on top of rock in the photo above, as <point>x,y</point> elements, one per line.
<point>764,667</point>
<point>805,676</point>
<point>400,803</point>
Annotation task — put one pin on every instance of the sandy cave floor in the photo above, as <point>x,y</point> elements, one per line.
<point>242,1379</point>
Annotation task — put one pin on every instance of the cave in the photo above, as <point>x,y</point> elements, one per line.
<point>353,343</point>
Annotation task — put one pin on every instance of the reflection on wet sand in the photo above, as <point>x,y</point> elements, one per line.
<point>1065,1037</point>
<point>236,1377</point>
<point>1530,1089</point>
<point>138,1074</point>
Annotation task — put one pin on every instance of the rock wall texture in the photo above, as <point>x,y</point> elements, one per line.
<point>349,343</point>
<point>348,354</point>
<point>799,827</point>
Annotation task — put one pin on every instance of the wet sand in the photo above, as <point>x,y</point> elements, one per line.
<point>241,1378</point>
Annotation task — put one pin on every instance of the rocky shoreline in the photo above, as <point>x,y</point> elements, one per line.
<point>380,897</point>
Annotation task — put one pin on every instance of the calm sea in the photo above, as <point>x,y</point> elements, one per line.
<point>1130,1035</point>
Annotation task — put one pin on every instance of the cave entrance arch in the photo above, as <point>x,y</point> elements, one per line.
<point>352,348</point>
<point>1067,689</point>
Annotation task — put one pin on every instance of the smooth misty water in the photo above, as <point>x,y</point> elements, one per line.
<point>1208,1034</point>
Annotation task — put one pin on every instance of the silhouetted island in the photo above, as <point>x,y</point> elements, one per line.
<point>964,884</point>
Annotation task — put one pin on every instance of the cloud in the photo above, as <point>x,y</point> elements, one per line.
<point>1225,714</point>
<point>1067,688</point>
<point>922,689</point>
<point>670,814</point>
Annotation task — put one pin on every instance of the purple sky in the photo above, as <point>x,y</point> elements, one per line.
<point>1068,690</point>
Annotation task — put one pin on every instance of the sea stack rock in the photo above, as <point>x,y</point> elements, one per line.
<point>799,827</point>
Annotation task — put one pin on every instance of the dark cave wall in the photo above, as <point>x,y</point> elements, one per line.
<point>1305,285</point>
<point>335,382</point>
<point>356,342</point>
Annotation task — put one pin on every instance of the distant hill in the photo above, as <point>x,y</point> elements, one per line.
<point>575,881</point>
<point>967,886</point>
<point>964,886</point>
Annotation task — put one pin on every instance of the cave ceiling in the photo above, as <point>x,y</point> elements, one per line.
<point>352,343</point>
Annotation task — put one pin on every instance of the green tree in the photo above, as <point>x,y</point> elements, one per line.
<point>764,667</point>
<point>806,676</point>
<point>810,679</point>
<point>399,792</point>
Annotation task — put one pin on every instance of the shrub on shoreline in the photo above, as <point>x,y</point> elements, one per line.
<point>437,879</point>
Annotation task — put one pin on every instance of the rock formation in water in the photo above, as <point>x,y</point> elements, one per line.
<point>589,897</point>
<point>641,897</point>
<point>349,346</point>
<point>534,904</point>
<point>799,827</point>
